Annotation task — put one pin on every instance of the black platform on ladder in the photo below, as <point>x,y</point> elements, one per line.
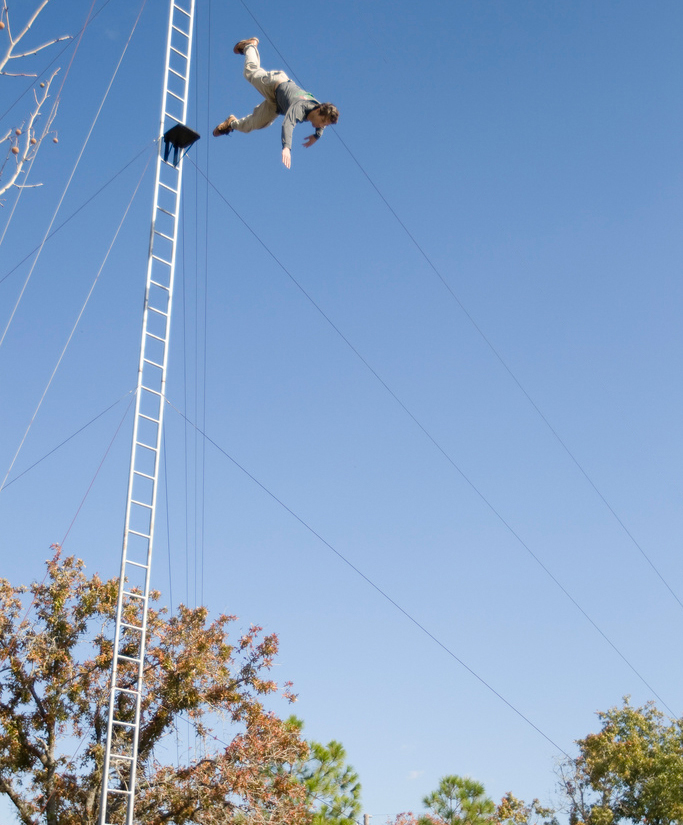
<point>179,137</point>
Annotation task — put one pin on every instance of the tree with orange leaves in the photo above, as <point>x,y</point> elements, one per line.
<point>55,660</point>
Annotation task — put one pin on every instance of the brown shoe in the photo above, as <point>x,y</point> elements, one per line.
<point>225,127</point>
<point>242,45</point>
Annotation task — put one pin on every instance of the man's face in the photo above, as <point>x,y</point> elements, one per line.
<point>317,120</point>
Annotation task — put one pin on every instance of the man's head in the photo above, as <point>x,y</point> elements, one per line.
<point>324,115</point>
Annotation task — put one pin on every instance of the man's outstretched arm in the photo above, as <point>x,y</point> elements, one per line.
<point>287,157</point>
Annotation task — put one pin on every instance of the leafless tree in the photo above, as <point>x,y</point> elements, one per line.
<point>24,139</point>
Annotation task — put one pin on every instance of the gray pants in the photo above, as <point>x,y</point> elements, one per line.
<point>266,83</point>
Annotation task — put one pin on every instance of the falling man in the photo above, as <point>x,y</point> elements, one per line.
<point>282,97</point>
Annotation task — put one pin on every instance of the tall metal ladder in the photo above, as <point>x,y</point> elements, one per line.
<point>126,689</point>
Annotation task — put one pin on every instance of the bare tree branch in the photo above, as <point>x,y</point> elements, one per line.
<point>25,810</point>
<point>23,141</point>
<point>39,49</point>
<point>12,41</point>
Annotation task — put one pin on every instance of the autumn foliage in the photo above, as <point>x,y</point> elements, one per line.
<point>55,661</point>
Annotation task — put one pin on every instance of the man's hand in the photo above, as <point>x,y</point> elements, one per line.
<point>310,140</point>
<point>287,157</point>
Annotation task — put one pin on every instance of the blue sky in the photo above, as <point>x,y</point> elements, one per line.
<point>448,340</point>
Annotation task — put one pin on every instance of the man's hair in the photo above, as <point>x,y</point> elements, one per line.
<point>329,112</point>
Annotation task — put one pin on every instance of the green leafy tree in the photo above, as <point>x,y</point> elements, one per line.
<point>333,789</point>
<point>55,663</point>
<point>333,786</point>
<point>458,800</point>
<point>631,771</point>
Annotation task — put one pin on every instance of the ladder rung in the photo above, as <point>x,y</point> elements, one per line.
<point>161,208</point>
<point>185,34</point>
<point>129,593</point>
<point>177,51</point>
<point>153,420</point>
<point>173,117</point>
<point>148,389</point>
<point>144,475</point>
<point>159,284</point>
<point>117,790</point>
<point>159,312</point>
<point>121,756</point>
<point>130,627</point>
<point>127,690</point>
<point>181,10</point>
<point>140,504</point>
<point>177,74</point>
<point>162,261</point>
<point>158,337</point>
<point>177,97</point>
<point>142,443</point>
<point>129,658</point>
<point>137,564</point>
<point>142,535</point>
<point>153,363</point>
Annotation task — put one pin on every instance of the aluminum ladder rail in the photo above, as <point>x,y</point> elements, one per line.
<point>126,688</point>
